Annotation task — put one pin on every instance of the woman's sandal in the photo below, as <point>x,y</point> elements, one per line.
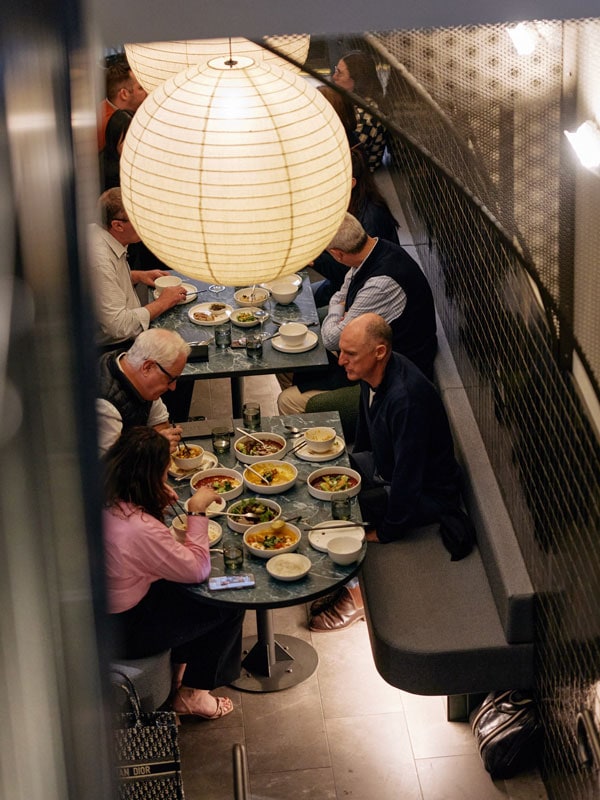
<point>182,707</point>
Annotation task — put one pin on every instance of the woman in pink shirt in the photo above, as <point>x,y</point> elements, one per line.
<point>144,565</point>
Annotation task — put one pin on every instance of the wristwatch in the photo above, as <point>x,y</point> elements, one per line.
<point>196,513</point>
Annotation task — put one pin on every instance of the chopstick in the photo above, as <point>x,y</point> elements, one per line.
<point>296,447</point>
<point>250,436</point>
<point>343,523</point>
<point>262,477</point>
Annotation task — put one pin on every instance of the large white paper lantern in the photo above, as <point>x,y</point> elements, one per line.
<point>236,174</point>
<point>155,62</point>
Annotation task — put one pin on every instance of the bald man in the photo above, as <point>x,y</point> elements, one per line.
<point>403,450</point>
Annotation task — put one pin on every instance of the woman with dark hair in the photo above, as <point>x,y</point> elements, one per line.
<point>110,156</point>
<point>369,207</point>
<point>149,612</point>
<point>344,108</point>
<point>356,72</point>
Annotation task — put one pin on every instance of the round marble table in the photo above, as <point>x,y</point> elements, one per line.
<point>277,661</point>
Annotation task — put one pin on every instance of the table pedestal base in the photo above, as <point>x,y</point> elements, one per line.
<point>271,664</point>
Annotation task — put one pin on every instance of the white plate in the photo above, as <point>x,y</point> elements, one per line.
<point>289,566</point>
<point>219,316</point>
<point>192,294</point>
<point>310,340</point>
<point>334,451</point>
<point>250,309</point>
<point>330,529</point>
<point>296,279</point>
<point>208,462</point>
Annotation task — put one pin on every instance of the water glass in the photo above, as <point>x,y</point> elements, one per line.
<point>341,506</point>
<point>221,440</point>
<point>251,416</point>
<point>223,335</point>
<point>254,346</point>
<point>233,557</point>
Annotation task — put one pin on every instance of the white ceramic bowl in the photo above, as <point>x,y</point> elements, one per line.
<point>262,506</point>
<point>213,509</point>
<point>248,443</point>
<point>284,291</point>
<point>165,281</point>
<point>295,279</point>
<point>341,485</point>
<point>344,550</point>
<point>247,298</point>
<point>292,333</point>
<point>289,566</point>
<point>218,477</point>
<point>319,440</point>
<point>285,473</point>
<point>179,528</point>
<point>191,458</point>
<point>287,539</point>
<point>245,317</point>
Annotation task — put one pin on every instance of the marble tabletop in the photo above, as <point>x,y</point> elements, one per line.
<point>233,361</point>
<point>324,575</point>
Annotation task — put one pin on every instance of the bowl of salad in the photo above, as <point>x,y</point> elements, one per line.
<point>249,451</point>
<point>266,511</point>
<point>226,482</point>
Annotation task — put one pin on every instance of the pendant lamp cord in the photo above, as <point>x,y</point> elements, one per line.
<point>231,62</point>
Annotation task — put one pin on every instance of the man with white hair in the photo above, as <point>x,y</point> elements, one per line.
<point>131,384</point>
<point>382,278</point>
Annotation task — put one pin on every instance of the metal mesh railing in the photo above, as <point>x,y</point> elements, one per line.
<point>478,160</point>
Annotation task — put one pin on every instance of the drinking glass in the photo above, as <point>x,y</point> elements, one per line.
<point>341,506</point>
<point>233,557</point>
<point>221,440</point>
<point>254,346</point>
<point>251,416</point>
<point>223,335</point>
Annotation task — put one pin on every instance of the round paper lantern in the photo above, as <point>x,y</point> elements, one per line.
<point>156,62</point>
<point>236,174</point>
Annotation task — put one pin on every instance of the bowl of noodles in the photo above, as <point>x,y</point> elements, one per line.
<point>279,476</point>
<point>249,451</point>
<point>269,539</point>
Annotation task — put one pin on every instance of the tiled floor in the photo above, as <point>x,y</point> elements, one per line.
<point>344,732</point>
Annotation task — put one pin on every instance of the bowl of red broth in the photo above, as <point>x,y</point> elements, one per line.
<point>248,450</point>
<point>226,482</point>
<point>324,482</point>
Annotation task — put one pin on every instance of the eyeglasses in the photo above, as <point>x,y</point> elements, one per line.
<point>172,379</point>
<point>120,219</point>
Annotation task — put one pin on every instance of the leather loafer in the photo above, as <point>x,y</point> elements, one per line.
<point>347,609</point>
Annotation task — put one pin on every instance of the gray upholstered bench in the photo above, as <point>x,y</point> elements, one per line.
<point>151,677</point>
<point>457,628</point>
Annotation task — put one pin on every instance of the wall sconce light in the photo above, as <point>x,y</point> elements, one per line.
<point>524,38</point>
<point>585,141</point>
<point>236,171</point>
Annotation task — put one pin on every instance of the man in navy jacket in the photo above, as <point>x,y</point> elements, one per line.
<point>403,450</point>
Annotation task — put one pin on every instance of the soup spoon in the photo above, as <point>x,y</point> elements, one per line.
<point>292,429</point>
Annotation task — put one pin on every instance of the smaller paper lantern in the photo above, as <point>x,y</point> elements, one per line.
<point>156,62</point>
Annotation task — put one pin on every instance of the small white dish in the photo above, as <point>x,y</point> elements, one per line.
<point>344,550</point>
<point>192,293</point>
<point>215,531</point>
<point>332,528</point>
<point>203,314</point>
<point>293,333</point>
<point>209,460</point>
<point>238,317</point>
<point>320,439</point>
<point>310,341</point>
<point>337,448</point>
<point>289,566</point>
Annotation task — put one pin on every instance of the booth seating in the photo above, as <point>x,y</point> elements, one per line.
<point>151,677</point>
<point>456,628</point>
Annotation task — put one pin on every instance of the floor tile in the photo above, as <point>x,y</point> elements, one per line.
<point>372,758</point>
<point>348,680</point>
<point>430,732</point>
<point>457,778</point>
<point>312,784</point>
<point>206,759</point>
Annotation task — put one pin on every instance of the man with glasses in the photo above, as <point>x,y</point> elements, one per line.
<point>119,312</point>
<point>131,385</point>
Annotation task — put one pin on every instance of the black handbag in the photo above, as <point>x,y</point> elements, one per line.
<point>146,750</point>
<point>507,730</point>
